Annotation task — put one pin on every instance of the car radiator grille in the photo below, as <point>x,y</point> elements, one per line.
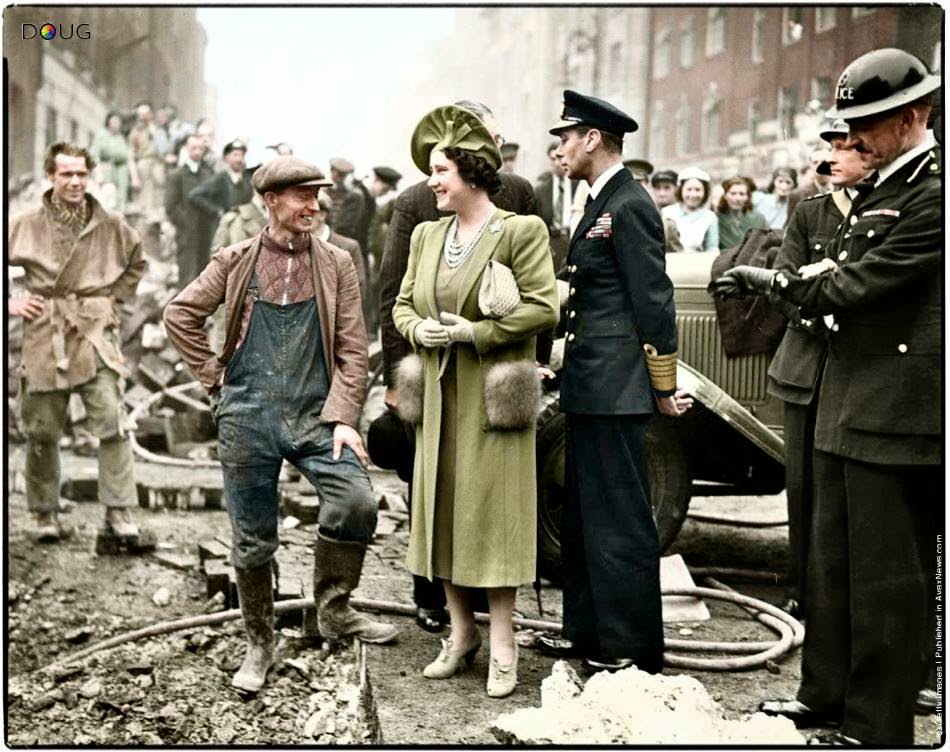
<point>700,345</point>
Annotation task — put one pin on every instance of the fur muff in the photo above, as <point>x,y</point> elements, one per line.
<point>512,396</point>
<point>410,386</point>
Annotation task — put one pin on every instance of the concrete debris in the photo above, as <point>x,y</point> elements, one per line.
<point>634,707</point>
<point>91,688</point>
<point>162,597</point>
<point>78,636</point>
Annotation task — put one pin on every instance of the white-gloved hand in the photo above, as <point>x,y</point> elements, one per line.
<point>819,267</point>
<point>430,333</point>
<point>563,292</point>
<point>458,328</point>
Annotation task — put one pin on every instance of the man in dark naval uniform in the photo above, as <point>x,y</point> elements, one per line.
<point>619,363</point>
<point>794,374</point>
<point>878,444</point>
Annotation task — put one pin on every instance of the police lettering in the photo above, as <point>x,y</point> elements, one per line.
<point>845,92</point>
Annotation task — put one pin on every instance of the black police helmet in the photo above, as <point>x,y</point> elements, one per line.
<point>879,81</point>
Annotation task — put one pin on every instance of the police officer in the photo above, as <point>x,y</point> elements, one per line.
<point>619,362</point>
<point>794,374</point>
<point>878,441</point>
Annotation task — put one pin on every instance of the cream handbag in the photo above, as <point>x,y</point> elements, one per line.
<point>498,295</point>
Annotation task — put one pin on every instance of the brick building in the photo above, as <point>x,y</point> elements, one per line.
<point>61,89</point>
<point>743,89</point>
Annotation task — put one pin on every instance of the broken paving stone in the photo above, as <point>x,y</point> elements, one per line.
<point>62,673</point>
<point>300,666</point>
<point>78,636</point>
<point>320,723</point>
<point>140,667</point>
<point>214,604</point>
<point>162,597</point>
<point>91,688</point>
<point>175,560</point>
<point>290,522</point>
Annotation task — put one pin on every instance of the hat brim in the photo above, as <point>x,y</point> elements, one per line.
<point>828,135</point>
<point>563,125</point>
<point>929,84</point>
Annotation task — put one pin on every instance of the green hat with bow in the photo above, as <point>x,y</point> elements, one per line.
<point>451,127</point>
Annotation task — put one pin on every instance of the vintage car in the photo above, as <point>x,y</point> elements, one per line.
<point>729,443</point>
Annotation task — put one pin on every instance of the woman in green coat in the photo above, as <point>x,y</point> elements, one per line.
<point>112,153</point>
<point>736,215</point>
<point>472,390</point>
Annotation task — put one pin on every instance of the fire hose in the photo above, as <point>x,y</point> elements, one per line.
<point>753,654</point>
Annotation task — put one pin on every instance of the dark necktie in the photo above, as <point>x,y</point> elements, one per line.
<point>864,189</point>
<point>590,200</point>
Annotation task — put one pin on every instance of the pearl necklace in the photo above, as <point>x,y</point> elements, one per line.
<point>456,253</point>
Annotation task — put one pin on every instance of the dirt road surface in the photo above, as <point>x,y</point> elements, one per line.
<point>175,689</point>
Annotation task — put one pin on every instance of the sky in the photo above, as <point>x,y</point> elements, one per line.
<point>317,78</point>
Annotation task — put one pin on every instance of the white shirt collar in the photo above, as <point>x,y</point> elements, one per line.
<point>324,233</point>
<point>604,177</point>
<point>236,177</point>
<point>885,172</point>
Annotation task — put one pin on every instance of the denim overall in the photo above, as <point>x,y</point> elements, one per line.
<point>269,410</point>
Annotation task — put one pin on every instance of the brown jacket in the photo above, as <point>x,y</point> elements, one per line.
<point>226,279</point>
<point>352,247</point>
<point>81,282</point>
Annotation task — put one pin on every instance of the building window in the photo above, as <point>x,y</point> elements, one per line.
<point>662,54</point>
<point>715,31</point>
<point>758,36</point>
<point>792,26</point>
<point>51,129</point>
<point>712,120</point>
<point>825,18</point>
<point>682,127</point>
<point>755,117</point>
<point>787,107</point>
<point>658,133</point>
<point>860,11</point>
<point>687,44</point>
<point>821,90</point>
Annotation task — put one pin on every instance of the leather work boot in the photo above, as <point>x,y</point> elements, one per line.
<point>336,573</point>
<point>256,596</point>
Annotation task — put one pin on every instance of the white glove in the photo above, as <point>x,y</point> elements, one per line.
<point>459,329</point>
<point>430,333</point>
<point>819,267</point>
<point>563,292</point>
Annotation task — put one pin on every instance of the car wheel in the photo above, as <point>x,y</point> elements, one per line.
<point>668,468</point>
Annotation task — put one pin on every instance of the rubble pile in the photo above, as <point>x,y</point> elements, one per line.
<point>634,707</point>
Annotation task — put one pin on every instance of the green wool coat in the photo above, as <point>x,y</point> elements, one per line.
<point>494,542</point>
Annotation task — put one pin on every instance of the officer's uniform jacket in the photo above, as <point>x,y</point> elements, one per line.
<point>794,370</point>
<point>620,300</point>
<point>880,398</point>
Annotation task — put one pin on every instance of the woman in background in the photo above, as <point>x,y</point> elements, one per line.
<point>697,225</point>
<point>736,215</point>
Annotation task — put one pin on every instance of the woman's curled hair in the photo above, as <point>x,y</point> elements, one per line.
<point>475,170</point>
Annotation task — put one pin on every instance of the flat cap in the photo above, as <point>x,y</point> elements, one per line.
<point>342,165</point>
<point>509,150</point>
<point>235,145</point>
<point>639,168</point>
<point>663,176</point>
<point>580,109</point>
<point>388,175</point>
<point>285,171</point>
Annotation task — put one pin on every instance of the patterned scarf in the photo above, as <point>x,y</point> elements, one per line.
<point>73,217</point>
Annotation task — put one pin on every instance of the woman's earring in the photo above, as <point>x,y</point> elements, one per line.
<point>474,187</point>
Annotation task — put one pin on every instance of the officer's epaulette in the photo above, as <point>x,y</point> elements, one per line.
<point>817,195</point>
<point>929,165</point>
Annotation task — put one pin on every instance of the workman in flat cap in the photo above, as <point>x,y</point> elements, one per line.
<point>879,426</point>
<point>289,384</point>
<point>619,366</point>
<point>348,208</point>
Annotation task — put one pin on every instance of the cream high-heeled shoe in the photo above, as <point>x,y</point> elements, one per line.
<point>502,680</point>
<point>449,663</point>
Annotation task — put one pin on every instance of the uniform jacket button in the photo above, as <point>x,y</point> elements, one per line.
<point>854,220</point>
<point>570,337</point>
<point>572,314</point>
<point>817,246</point>
<point>573,268</point>
<point>834,327</point>
<point>573,290</point>
<point>842,256</point>
<point>902,348</point>
<point>870,233</point>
